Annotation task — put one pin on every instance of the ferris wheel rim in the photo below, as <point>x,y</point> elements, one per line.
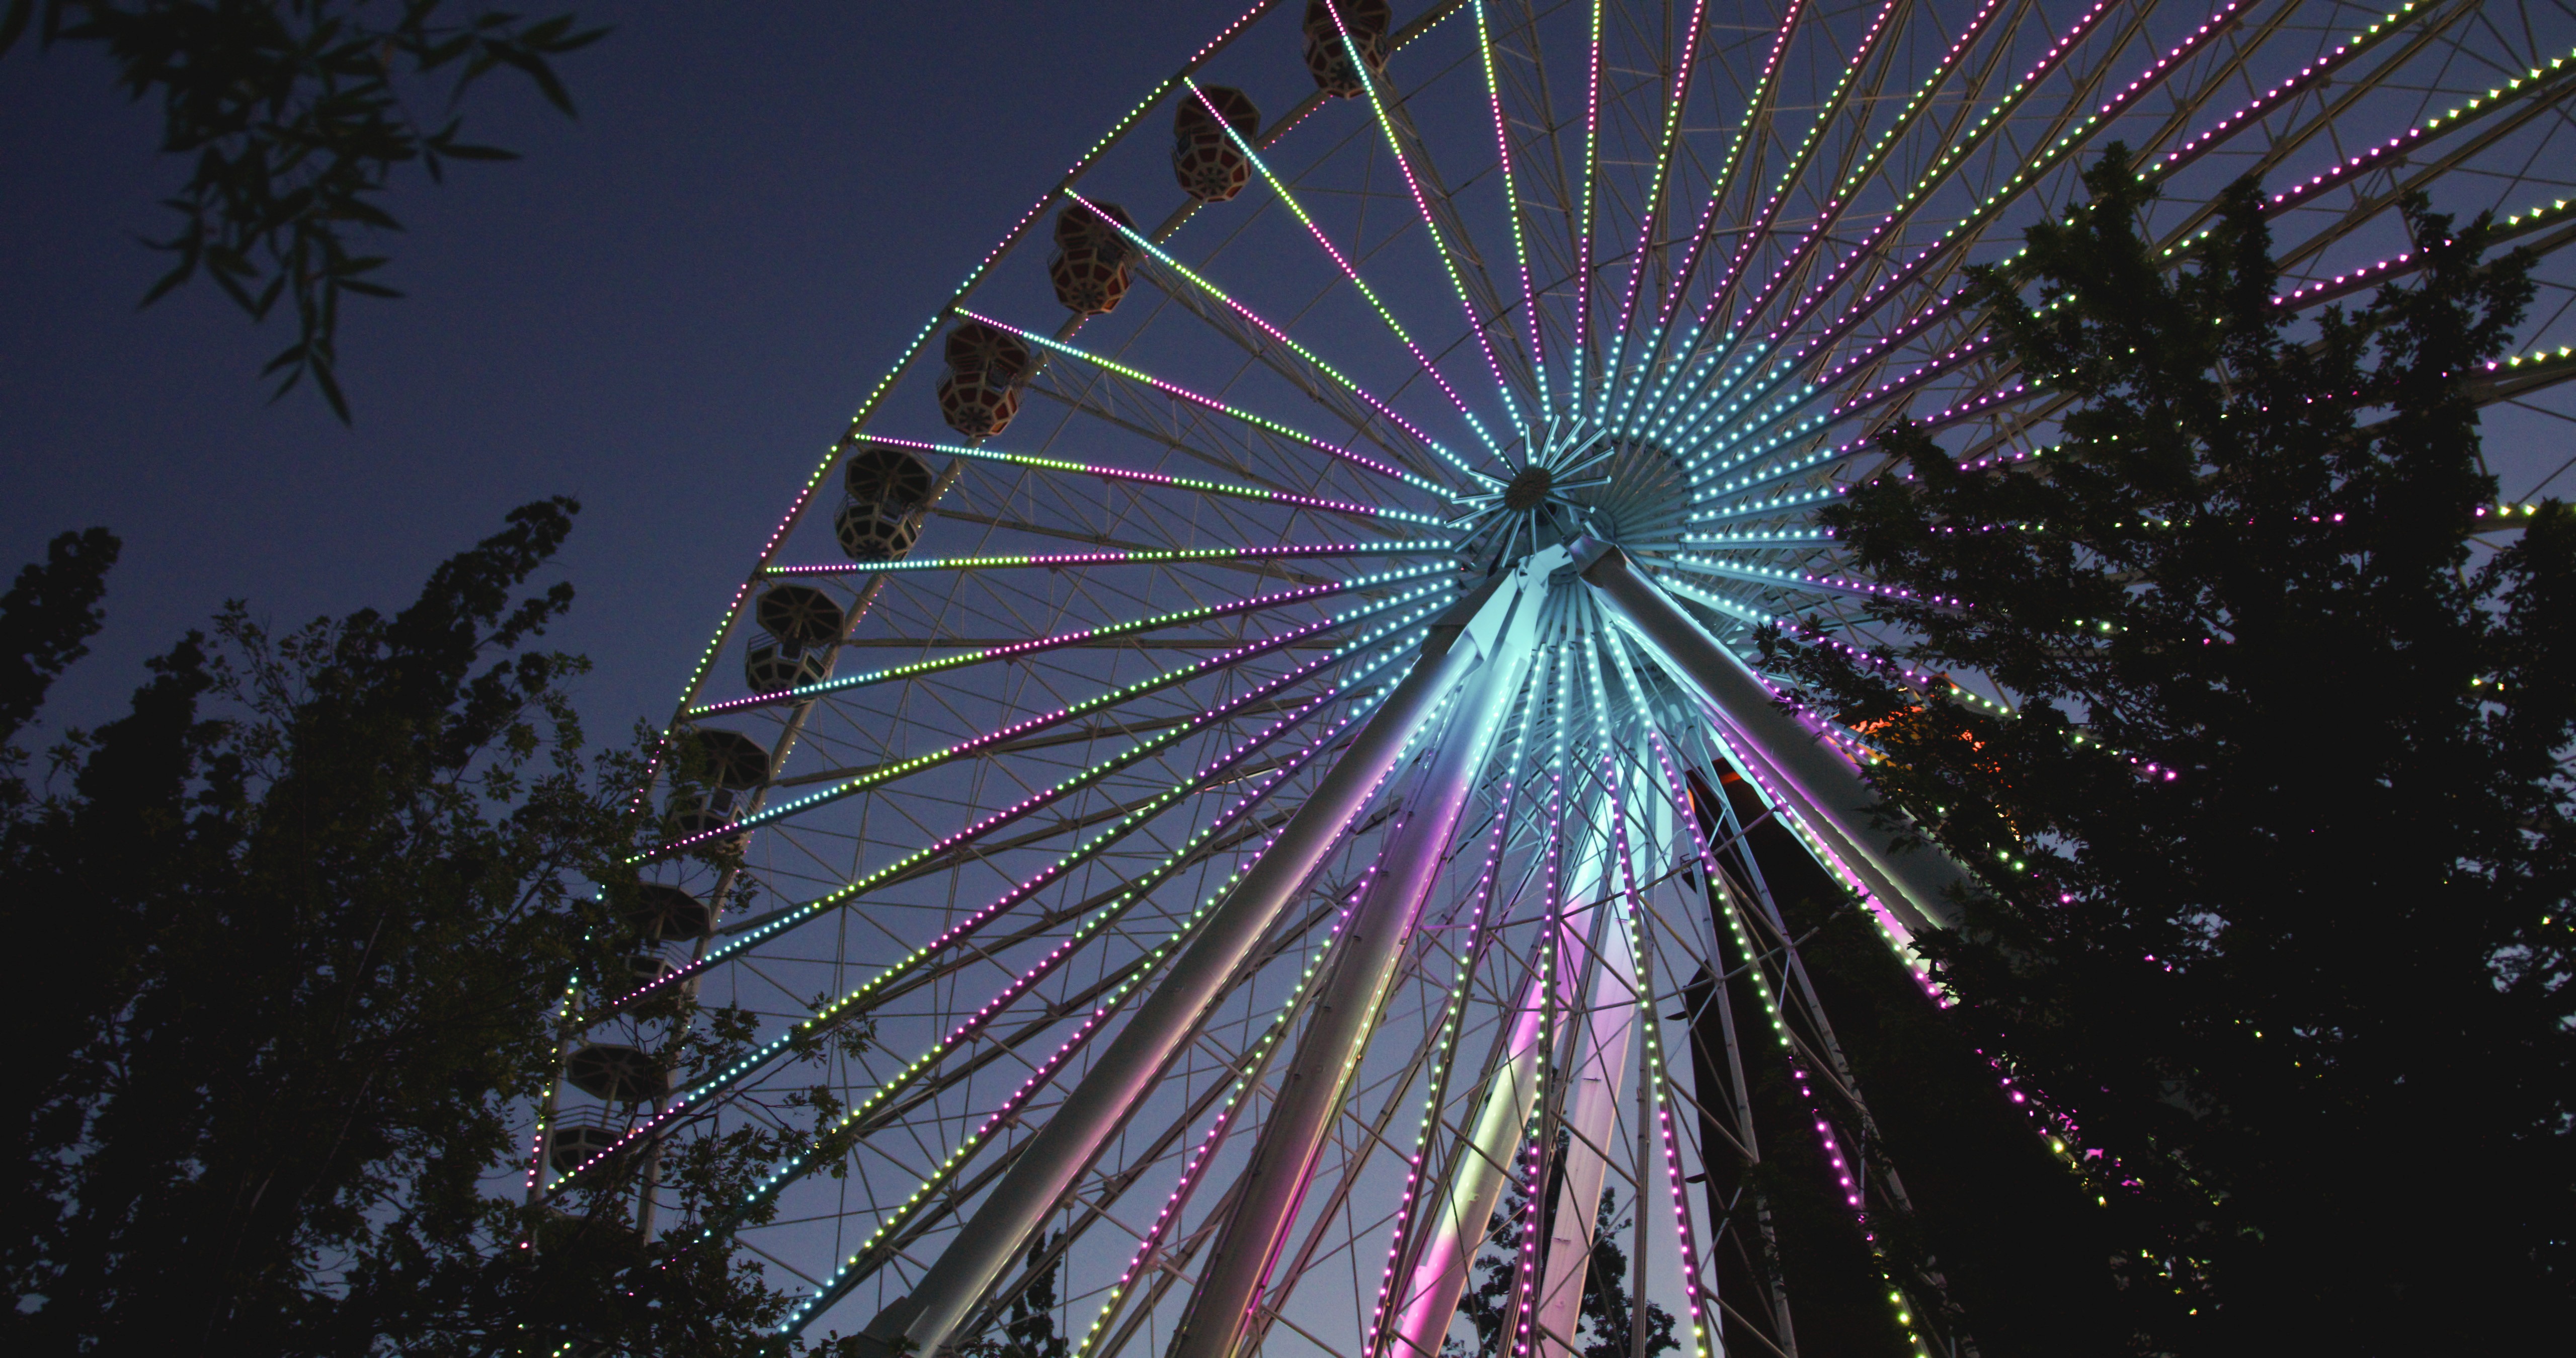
<point>1762,584</point>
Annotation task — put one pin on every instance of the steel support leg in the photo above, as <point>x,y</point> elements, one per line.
<point>1598,1071</point>
<point>1503,1110</point>
<point>1821,785</point>
<point>1439,1276</point>
<point>1099,1104</point>
<point>1345,1011</point>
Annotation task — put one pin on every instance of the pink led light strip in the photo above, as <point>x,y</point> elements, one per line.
<point>1208,402</point>
<point>1135,893</point>
<point>1142,556</point>
<point>1026,726</point>
<point>1277,335</point>
<point>1430,223</point>
<point>1080,636</point>
<point>1092,1023</point>
<point>1724,181</point>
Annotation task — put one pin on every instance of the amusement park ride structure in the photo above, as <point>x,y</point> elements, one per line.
<point>1247,750</point>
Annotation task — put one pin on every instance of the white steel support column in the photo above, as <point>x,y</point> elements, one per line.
<point>1597,1073</point>
<point>1452,1237</point>
<point>1346,1008</point>
<point>1822,785</point>
<point>1162,1022</point>
<point>1439,1274</point>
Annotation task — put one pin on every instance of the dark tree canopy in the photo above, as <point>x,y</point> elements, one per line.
<point>296,116</point>
<point>304,914</point>
<point>2276,853</point>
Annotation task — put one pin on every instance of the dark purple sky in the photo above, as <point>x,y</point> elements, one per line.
<point>667,309</point>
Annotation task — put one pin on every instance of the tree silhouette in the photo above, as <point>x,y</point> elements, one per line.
<point>2277,850</point>
<point>1605,1328</point>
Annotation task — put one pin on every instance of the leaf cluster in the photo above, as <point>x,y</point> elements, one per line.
<point>295,117</point>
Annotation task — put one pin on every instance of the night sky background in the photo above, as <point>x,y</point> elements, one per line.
<point>667,309</point>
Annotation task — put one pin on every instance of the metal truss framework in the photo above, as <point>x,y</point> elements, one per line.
<point>1281,847</point>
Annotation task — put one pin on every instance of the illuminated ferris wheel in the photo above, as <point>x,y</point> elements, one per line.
<point>1239,800</point>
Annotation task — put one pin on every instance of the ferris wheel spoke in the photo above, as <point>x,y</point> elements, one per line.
<point>1756,231</point>
<point>879,775</point>
<point>2554,217</point>
<point>2386,156</point>
<point>1194,485</point>
<point>1477,298</point>
<point>761,929</point>
<point>2415,20</point>
<point>1758,106</point>
<point>1582,364</point>
<point>1386,314</point>
<point>1965,230</point>
<point>2367,207</point>
<point>1377,408</point>
<point>1143,379</point>
<point>1816,235</point>
<point>1779,578</point>
<point>1512,209</point>
<point>1133,893</point>
<point>1107,632</point>
<point>1919,193</point>
<point>1132,557</point>
<point>1643,256</point>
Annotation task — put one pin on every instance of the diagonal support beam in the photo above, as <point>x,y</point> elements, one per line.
<point>1504,1108</point>
<point>1823,788</point>
<point>1598,1072</point>
<point>1346,1009</point>
<point>1124,1074</point>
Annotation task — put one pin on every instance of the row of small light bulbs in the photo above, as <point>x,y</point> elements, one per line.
<point>1470,952</point>
<point>901,768</point>
<point>1253,1061</point>
<point>921,956</point>
<point>1109,1005</point>
<point>1135,892</point>
<point>1076,637</point>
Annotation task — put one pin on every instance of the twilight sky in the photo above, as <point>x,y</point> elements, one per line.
<point>667,309</point>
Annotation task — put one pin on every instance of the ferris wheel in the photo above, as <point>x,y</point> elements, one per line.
<point>1239,801</point>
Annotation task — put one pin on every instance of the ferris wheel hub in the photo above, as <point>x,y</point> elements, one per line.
<point>1528,490</point>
